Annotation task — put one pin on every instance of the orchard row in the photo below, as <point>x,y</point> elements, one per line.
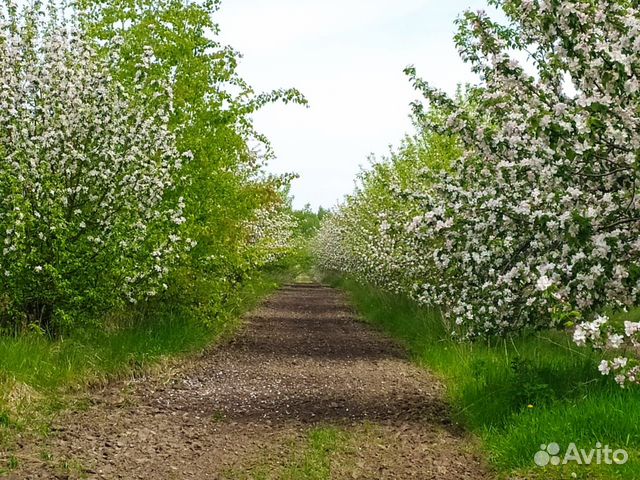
<point>129,167</point>
<point>516,205</point>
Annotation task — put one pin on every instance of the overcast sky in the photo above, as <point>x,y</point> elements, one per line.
<point>347,57</point>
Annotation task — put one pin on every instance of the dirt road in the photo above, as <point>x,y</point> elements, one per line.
<point>303,367</point>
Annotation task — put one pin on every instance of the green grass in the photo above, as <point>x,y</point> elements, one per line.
<point>314,462</point>
<point>37,374</point>
<point>310,459</point>
<point>517,393</point>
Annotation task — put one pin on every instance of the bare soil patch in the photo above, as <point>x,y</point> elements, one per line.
<point>303,361</point>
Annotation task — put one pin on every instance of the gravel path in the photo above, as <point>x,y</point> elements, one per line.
<point>302,361</point>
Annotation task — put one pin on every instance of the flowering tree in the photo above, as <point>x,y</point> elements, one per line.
<point>86,166</point>
<point>537,223</point>
<point>542,210</point>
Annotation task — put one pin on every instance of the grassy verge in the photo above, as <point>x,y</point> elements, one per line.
<point>37,374</point>
<point>518,393</point>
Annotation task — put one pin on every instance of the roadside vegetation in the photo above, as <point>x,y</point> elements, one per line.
<point>516,393</point>
<point>42,376</point>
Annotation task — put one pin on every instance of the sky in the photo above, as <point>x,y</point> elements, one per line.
<point>347,57</point>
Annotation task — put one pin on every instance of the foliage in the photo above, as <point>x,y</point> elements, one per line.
<point>87,168</point>
<point>535,224</point>
<point>130,163</point>
<point>228,197</point>
<point>367,236</point>
<point>308,222</point>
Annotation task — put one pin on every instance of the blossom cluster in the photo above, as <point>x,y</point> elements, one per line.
<point>599,334</point>
<point>536,222</point>
<point>270,235</point>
